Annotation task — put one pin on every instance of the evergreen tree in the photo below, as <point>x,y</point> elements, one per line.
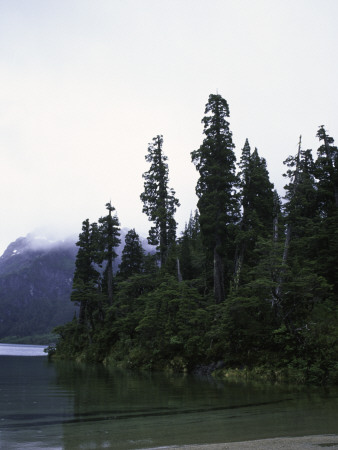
<point>300,284</point>
<point>301,206</point>
<point>327,172</point>
<point>86,277</point>
<point>218,202</point>
<point>247,318</point>
<point>159,201</point>
<point>185,255</point>
<point>132,261</point>
<point>191,252</point>
<point>109,239</point>
<point>257,201</point>
<point>173,326</point>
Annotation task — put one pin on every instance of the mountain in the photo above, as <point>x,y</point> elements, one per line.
<point>35,285</point>
<point>36,277</point>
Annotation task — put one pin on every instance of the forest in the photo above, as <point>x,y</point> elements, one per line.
<point>250,286</point>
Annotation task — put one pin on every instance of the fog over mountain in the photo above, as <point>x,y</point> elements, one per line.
<point>36,274</point>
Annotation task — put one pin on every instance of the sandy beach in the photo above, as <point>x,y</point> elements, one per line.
<point>293,443</point>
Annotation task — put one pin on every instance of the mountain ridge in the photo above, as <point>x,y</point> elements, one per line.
<point>36,277</point>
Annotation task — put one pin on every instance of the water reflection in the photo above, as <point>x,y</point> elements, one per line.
<point>133,410</point>
<point>76,406</point>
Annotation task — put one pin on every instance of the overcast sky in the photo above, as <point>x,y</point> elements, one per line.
<point>85,85</point>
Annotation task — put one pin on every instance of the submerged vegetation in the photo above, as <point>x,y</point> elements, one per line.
<point>250,286</point>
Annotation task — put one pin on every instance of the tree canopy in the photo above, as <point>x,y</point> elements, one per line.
<point>251,281</point>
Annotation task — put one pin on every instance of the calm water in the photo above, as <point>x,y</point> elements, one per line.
<point>22,350</point>
<point>70,406</point>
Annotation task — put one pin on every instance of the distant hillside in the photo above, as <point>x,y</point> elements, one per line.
<point>35,284</point>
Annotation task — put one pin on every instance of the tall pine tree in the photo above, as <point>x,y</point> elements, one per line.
<point>218,202</point>
<point>159,201</point>
<point>257,201</point>
<point>326,172</point>
<point>299,285</point>
<point>86,276</point>
<point>109,239</point>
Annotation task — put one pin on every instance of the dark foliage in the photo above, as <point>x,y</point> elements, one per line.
<point>271,267</point>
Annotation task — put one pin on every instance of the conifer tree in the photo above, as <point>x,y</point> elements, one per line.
<point>109,239</point>
<point>257,201</point>
<point>218,202</point>
<point>132,261</point>
<point>86,277</point>
<point>301,197</point>
<point>327,172</point>
<point>299,282</point>
<point>159,201</point>
<point>189,249</point>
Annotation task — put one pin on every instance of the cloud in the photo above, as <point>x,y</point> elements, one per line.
<point>86,86</point>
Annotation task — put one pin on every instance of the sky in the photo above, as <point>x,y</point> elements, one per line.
<point>85,85</point>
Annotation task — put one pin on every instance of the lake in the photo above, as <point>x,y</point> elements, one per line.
<point>64,405</point>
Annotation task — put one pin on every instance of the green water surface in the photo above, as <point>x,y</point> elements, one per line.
<point>64,405</point>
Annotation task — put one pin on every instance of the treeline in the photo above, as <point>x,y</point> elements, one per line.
<point>251,282</point>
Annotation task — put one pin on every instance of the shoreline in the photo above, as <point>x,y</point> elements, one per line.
<point>286,443</point>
